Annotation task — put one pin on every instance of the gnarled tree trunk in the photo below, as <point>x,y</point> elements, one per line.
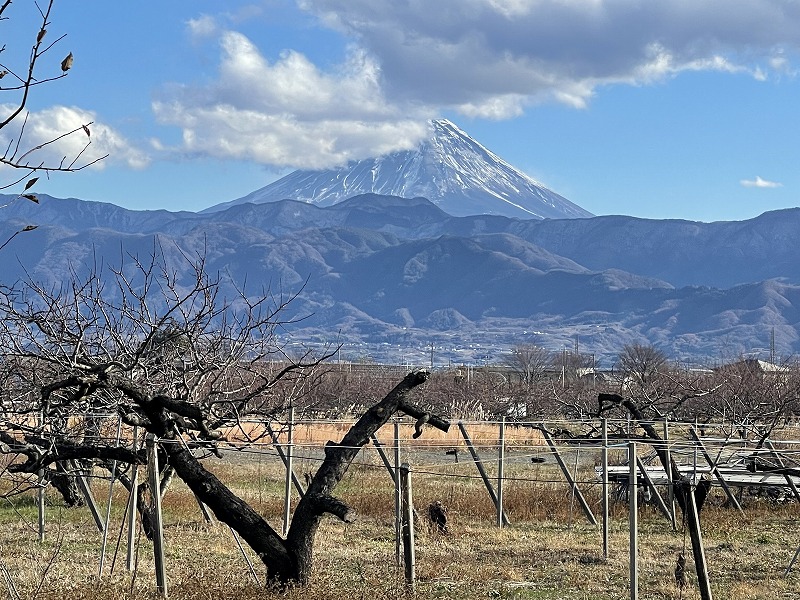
<point>290,560</point>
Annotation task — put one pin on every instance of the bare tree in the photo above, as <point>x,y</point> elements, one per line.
<point>573,364</point>
<point>158,347</point>
<point>345,390</point>
<point>530,362</point>
<point>575,390</point>
<point>690,496</point>
<point>641,363</point>
<point>22,162</point>
<point>458,393</point>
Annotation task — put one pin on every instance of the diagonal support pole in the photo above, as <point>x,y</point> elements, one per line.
<point>568,476</point>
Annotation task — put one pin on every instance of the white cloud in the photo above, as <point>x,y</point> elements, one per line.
<point>294,85</point>
<point>202,27</point>
<point>43,142</point>
<point>289,112</point>
<point>494,107</point>
<point>225,131</point>
<point>780,64</point>
<point>759,183</point>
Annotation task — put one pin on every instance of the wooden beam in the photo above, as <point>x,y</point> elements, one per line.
<point>659,500</point>
<point>568,476</point>
<point>479,464</point>
<point>715,471</point>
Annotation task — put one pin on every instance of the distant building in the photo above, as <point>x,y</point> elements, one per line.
<point>754,366</point>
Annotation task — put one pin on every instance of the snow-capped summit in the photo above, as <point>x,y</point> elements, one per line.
<point>449,168</point>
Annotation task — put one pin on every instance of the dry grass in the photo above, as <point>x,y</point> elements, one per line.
<point>549,552</point>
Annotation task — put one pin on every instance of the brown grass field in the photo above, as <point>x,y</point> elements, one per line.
<point>549,552</point>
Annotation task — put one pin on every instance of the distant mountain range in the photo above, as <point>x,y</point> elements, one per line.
<point>391,277</point>
<point>449,168</point>
<point>451,249</point>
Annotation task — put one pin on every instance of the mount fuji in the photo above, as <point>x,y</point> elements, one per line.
<point>449,168</point>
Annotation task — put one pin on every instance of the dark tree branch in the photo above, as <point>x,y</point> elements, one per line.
<point>41,452</point>
<point>338,458</point>
<point>334,506</point>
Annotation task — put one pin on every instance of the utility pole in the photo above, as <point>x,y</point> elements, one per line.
<point>772,347</point>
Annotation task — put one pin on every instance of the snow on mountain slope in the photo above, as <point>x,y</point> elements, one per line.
<point>450,169</point>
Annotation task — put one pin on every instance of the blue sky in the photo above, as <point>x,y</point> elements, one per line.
<point>670,109</point>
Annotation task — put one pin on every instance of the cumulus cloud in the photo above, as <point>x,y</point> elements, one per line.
<point>760,183</point>
<point>289,112</point>
<point>44,141</point>
<point>490,59</point>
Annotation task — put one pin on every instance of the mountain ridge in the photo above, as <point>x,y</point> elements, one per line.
<point>681,252</point>
<point>387,275</point>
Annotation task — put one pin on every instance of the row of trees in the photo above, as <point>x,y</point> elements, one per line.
<point>532,363</point>
<point>742,391</point>
<point>534,385</point>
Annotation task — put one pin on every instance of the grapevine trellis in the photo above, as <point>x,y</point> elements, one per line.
<point>483,451</point>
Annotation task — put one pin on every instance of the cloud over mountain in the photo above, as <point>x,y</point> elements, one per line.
<point>289,112</point>
<point>489,52</point>
<point>449,168</point>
